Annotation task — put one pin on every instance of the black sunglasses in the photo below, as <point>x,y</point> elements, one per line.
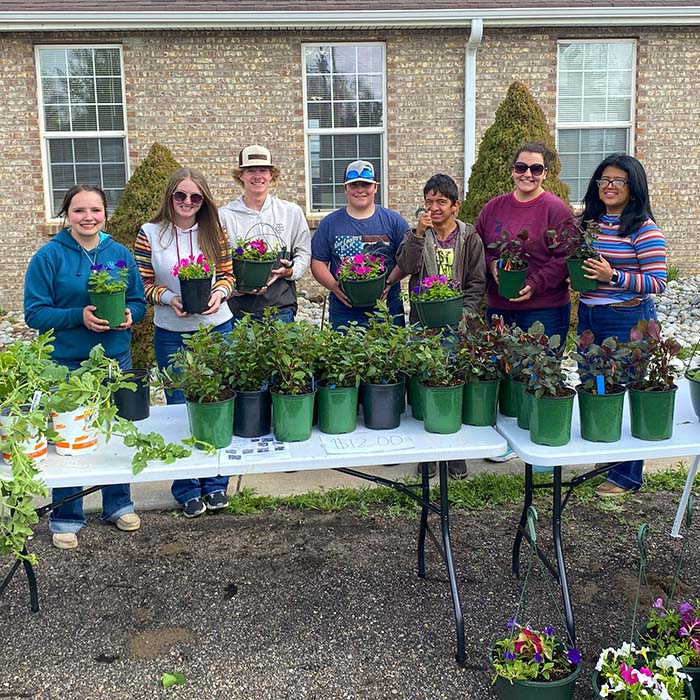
<point>521,168</point>
<point>180,196</point>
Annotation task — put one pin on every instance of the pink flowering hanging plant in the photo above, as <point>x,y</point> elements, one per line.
<point>255,249</point>
<point>192,268</point>
<point>436,288</point>
<point>362,266</point>
<point>109,278</point>
<point>674,631</point>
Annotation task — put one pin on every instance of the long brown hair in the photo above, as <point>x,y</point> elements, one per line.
<point>212,239</point>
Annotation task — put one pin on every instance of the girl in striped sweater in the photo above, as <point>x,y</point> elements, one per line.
<point>631,267</point>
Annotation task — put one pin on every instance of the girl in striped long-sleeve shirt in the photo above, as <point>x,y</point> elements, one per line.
<point>186,225</point>
<point>631,267</point>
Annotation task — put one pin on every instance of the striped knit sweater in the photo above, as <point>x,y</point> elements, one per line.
<point>639,258</point>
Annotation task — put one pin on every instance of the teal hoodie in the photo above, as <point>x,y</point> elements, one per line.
<point>55,294</point>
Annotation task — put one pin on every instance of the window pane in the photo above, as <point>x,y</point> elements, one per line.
<point>82,90</point>
<point>369,59</point>
<point>56,119</point>
<point>620,56</point>
<point>80,62</point>
<point>54,90</point>
<point>319,116</point>
<point>371,113</point>
<point>83,118</point>
<point>112,150</point>
<point>91,174</point>
<point>109,90</point>
<point>318,87</point>
<point>571,56</point>
<point>111,118</point>
<point>317,59</point>
<point>345,115</point>
<point>344,59</point>
<point>107,62</point>
<point>370,87</point>
<point>63,176</point>
<point>61,150</point>
<point>113,176</point>
<point>87,150</point>
<point>344,87</point>
<point>53,62</point>
<point>570,109</point>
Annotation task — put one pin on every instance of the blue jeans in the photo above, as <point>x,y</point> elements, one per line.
<point>165,343</point>
<point>116,498</point>
<point>343,316</point>
<point>286,315</point>
<point>606,321</point>
<point>555,320</point>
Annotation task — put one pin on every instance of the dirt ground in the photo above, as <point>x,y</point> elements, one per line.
<point>304,605</point>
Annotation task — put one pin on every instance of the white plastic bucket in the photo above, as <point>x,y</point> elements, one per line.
<point>78,437</point>
<point>35,447</point>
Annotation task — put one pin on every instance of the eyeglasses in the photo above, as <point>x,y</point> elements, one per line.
<point>353,174</point>
<point>617,182</point>
<point>195,198</point>
<point>521,168</point>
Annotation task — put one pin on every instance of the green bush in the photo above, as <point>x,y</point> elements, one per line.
<point>140,203</point>
<point>519,119</point>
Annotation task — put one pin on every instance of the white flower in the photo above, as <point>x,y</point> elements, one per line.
<point>669,662</point>
<point>605,691</point>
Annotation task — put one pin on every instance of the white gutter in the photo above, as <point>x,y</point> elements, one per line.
<point>475,34</point>
<point>357,19</point>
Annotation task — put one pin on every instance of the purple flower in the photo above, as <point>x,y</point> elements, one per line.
<point>95,268</point>
<point>538,658</point>
<point>239,251</point>
<point>549,630</point>
<point>574,656</point>
<point>686,609</point>
<point>509,655</point>
<point>120,264</point>
<point>511,623</point>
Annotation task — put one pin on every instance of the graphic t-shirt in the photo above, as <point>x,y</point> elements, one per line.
<point>445,253</point>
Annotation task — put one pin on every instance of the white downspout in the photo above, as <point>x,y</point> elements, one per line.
<point>475,36</point>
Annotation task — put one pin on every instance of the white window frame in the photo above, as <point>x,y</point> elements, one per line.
<point>46,136</point>
<point>344,130</point>
<point>629,124</point>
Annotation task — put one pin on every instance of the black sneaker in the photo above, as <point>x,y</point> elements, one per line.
<point>193,508</point>
<point>432,469</point>
<point>216,500</point>
<point>457,469</point>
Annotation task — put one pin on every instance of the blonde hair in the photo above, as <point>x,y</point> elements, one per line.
<point>274,171</point>
<point>212,239</point>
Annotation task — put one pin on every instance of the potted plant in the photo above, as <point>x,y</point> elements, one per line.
<point>195,276</point>
<point>512,263</point>
<point>438,301</point>
<point>534,665</point>
<point>201,369</point>
<point>249,352</point>
<point>692,374</point>
<point>252,263</point>
<point>604,372</point>
<point>384,354</point>
<point>292,357</point>
<point>414,371</point>
<point>480,347</point>
<point>441,386</point>
<point>652,390</point>
<point>107,291</point>
<point>632,673</point>
<point>338,374</point>
<point>362,277</point>
<point>579,244</point>
<point>675,631</point>
<point>552,402</point>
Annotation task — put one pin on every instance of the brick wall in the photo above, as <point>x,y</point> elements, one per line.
<point>206,94</point>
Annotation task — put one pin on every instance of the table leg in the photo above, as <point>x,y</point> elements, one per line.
<point>683,505</point>
<point>559,551</point>
<point>523,521</point>
<point>425,493</point>
<point>445,526</point>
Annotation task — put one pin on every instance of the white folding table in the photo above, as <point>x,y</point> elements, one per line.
<point>111,464</point>
<point>684,442</point>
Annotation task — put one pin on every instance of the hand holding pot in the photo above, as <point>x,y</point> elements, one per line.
<point>214,303</point>
<point>176,304</point>
<point>598,269</point>
<point>92,323</point>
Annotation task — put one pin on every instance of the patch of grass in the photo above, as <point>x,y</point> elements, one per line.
<point>672,274</point>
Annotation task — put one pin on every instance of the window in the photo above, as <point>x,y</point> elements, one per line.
<point>344,117</point>
<point>595,106</point>
<point>83,125</point>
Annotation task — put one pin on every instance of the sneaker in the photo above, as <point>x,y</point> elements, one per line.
<point>457,469</point>
<point>216,500</point>
<point>432,469</point>
<point>64,540</point>
<point>507,455</point>
<point>607,489</point>
<point>128,522</point>
<point>193,508</point>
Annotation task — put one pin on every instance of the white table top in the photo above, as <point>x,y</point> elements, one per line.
<point>111,463</point>
<point>684,441</point>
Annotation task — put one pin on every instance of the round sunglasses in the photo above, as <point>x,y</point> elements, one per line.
<point>195,197</point>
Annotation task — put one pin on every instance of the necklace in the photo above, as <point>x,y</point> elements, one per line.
<point>93,259</point>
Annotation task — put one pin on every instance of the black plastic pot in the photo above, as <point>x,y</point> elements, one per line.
<point>195,295</point>
<point>134,405</point>
<point>382,405</point>
<point>251,413</point>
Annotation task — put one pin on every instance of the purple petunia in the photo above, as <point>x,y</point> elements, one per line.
<point>95,268</point>
<point>538,658</point>
<point>511,623</point>
<point>510,656</point>
<point>574,656</point>
<point>549,629</point>
<point>120,263</point>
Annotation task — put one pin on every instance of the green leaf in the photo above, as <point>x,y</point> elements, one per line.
<point>169,679</point>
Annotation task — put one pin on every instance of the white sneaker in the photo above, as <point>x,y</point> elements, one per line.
<point>507,455</point>
<point>128,522</point>
<point>64,540</point>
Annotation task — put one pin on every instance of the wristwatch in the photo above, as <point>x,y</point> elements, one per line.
<point>614,278</point>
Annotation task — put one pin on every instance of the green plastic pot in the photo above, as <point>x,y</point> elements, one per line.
<point>523,404</point>
<point>480,402</point>
<point>601,415</point>
<point>363,292</point>
<point>550,419</point>
<point>292,416</point>
<point>211,422</point>
<point>510,282</point>
<point>442,408</point>
<point>577,277</point>
<point>561,689</point>
<point>694,389</point>
<point>651,413</point>
<point>440,314</point>
<point>251,274</point>
<point>595,682</point>
<point>337,409</point>
<point>415,393</point>
<point>508,398</point>
<point>111,306</point>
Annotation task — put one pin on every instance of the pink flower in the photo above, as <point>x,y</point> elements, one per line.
<point>629,674</point>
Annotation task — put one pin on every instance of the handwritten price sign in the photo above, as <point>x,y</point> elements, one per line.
<point>365,441</point>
